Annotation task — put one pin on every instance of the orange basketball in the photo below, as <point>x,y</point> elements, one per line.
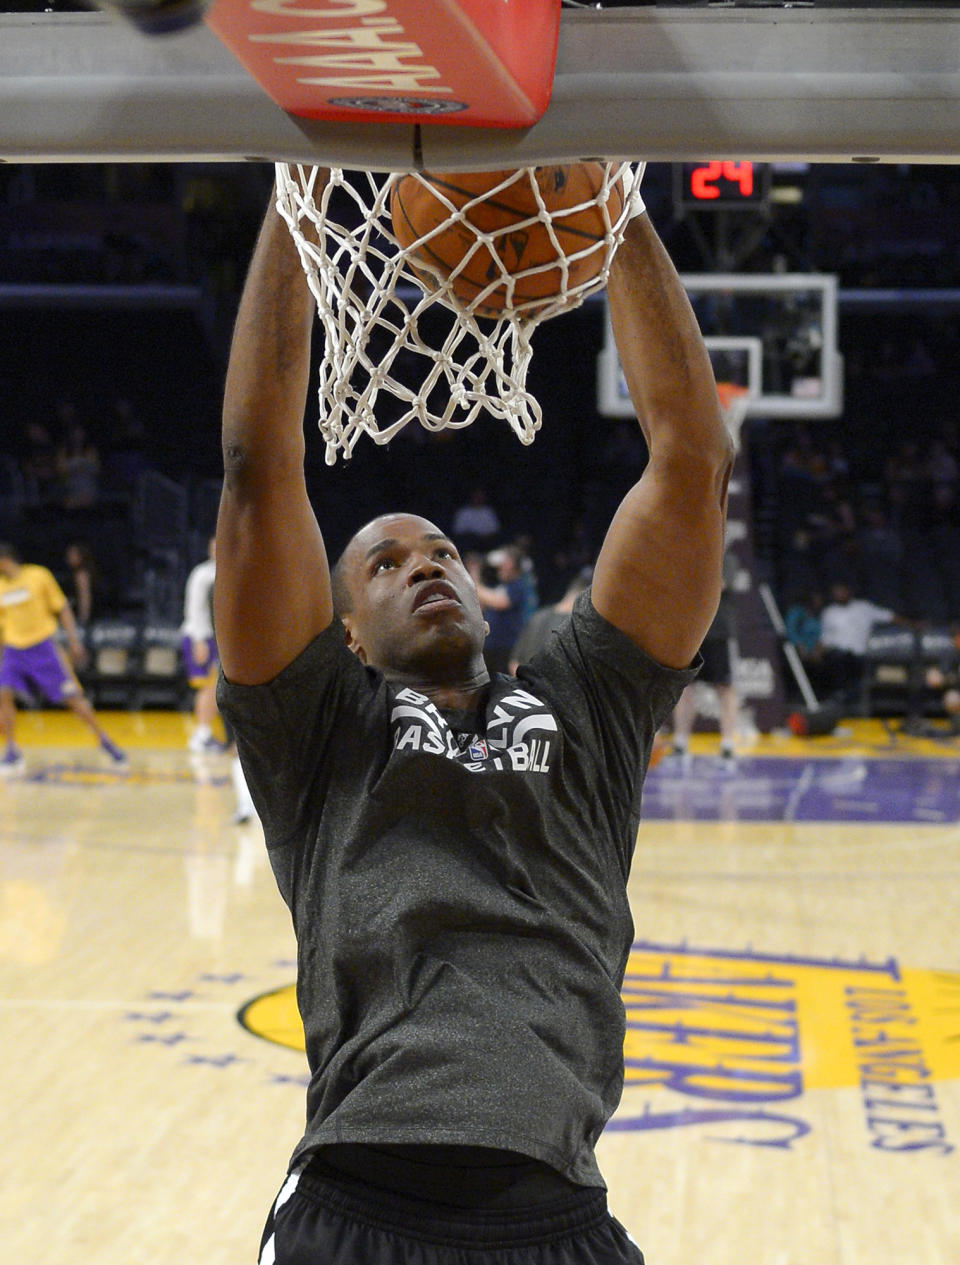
<point>579,225</point>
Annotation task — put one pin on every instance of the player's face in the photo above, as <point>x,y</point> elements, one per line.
<point>415,606</point>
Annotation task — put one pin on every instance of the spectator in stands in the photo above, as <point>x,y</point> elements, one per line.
<point>83,581</point>
<point>531,603</point>
<point>503,592</point>
<point>78,469</point>
<point>32,604</point>
<point>476,524</point>
<point>717,671</point>
<point>546,621</point>
<point>804,629</point>
<point>846,623</point>
<point>803,624</point>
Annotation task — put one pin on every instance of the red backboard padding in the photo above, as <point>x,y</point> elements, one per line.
<point>483,63</point>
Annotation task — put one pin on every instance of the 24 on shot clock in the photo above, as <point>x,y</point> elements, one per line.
<point>720,185</point>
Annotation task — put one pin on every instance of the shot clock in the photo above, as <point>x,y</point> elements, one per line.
<point>720,185</point>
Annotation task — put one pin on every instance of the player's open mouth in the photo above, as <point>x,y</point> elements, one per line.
<point>437,596</point>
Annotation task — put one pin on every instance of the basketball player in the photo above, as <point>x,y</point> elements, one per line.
<point>199,649</point>
<point>454,848</point>
<point>31,605</point>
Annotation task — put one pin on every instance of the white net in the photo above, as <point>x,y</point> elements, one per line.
<point>401,343</point>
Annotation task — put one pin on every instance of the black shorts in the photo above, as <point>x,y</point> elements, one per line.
<point>321,1219</point>
<point>717,668</point>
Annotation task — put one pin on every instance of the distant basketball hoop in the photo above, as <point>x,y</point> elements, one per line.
<point>776,334</point>
<point>734,402</point>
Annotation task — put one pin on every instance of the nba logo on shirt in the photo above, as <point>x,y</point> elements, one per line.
<point>478,749</point>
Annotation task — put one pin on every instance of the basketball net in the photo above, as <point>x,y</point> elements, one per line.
<point>734,401</point>
<point>397,350</point>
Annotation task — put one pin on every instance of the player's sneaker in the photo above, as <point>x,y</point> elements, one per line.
<point>205,744</point>
<point>12,761</point>
<point>728,759</point>
<point>113,751</point>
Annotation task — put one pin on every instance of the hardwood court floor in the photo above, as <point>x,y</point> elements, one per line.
<point>793,1004</point>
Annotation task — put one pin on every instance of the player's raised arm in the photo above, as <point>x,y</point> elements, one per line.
<point>658,575</point>
<point>272,593</point>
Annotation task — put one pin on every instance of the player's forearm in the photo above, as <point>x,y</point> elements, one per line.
<point>69,625</point>
<point>270,554</point>
<point>268,373</point>
<point>664,359</point>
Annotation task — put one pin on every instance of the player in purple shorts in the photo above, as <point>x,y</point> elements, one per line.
<point>202,663</point>
<point>32,604</point>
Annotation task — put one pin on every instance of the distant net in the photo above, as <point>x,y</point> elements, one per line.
<point>399,344</point>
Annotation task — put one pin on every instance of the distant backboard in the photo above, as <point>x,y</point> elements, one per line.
<point>737,360</point>
<point>774,334</point>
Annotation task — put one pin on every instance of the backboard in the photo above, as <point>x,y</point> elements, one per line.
<point>774,334</point>
<point>465,62</point>
<point>664,82</point>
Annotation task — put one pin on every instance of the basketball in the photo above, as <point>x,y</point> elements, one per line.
<point>574,242</point>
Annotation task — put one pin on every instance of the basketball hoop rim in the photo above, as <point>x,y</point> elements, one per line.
<point>731,393</point>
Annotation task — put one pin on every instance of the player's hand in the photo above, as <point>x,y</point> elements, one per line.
<point>201,652</point>
<point>78,653</point>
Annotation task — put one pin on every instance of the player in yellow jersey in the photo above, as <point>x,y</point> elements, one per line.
<point>32,604</point>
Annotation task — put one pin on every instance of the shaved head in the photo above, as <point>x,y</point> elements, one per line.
<point>408,604</point>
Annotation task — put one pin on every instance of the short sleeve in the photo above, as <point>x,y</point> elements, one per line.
<point>613,698</point>
<point>305,730</point>
<point>54,595</point>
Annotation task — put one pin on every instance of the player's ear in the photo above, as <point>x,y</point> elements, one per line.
<point>352,640</point>
<point>486,630</point>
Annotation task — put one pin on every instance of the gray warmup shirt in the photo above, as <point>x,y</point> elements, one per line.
<point>457,882</point>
